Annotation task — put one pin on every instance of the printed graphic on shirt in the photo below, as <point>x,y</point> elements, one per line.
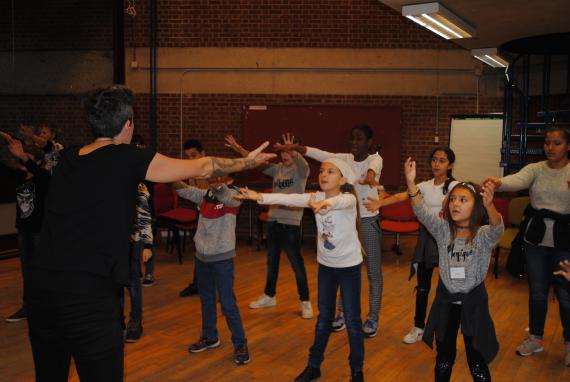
<point>25,196</point>
<point>326,235</point>
<point>283,183</point>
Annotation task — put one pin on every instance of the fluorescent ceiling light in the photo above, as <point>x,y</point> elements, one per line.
<point>439,20</point>
<point>490,56</point>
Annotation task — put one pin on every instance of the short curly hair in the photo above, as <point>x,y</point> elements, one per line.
<point>108,110</point>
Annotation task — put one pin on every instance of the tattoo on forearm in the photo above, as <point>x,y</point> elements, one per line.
<point>223,166</point>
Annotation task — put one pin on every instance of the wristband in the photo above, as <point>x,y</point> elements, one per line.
<point>415,193</point>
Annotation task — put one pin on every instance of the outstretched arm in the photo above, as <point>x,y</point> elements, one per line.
<point>373,204</point>
<point>164,169</point>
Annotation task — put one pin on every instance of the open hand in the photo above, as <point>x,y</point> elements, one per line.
<point>16,148</point>
<point>234,145</point>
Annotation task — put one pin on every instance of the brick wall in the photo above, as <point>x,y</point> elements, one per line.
<point>209,117</point>
<point>279,24</point>
<point>57,25</point>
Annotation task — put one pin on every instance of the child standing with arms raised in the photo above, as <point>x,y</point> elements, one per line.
<point>426,256</point>
<point>465,247</point>
<point>367,168</point>
<point>339,255</point>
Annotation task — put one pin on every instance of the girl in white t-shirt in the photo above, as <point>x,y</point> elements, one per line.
<point>339,254</point>
<point>426,254</point>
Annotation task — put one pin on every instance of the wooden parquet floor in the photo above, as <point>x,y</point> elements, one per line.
<point>279,338</point>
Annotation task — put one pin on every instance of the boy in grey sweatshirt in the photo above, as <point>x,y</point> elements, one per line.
<point>215,249</point>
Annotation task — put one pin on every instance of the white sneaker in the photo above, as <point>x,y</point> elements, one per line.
<point>414,335</point>
<point>306,310</point>
<point>264,301</point>
<point>531,345</point>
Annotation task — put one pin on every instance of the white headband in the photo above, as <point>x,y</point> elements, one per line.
<point>344,168</point>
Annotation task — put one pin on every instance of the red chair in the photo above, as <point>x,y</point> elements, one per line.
<point>399,218</point>
<point>168,215</point>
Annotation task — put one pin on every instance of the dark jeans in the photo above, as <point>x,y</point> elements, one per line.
<point>28,242</point>
<point>135,288</point>
<point>219,275</point>
<point>349,280</point>
<point>288,238</point>
<point>446,352</point>
<point>422,293</point>
<point>540,263</point>
<point>87,328</point>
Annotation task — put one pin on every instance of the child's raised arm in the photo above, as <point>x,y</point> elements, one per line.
<point>487,193</point>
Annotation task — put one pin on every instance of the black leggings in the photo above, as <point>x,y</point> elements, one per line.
<point>446,352</point>
<point>422,293</point>
<point>87,328</point>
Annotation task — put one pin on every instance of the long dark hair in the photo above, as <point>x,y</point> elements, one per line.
<point>448,153</point>
<point>478,214</point>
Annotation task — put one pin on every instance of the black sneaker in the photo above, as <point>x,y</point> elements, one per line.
<point>190,290</point>
<point>356,376</point>
<point>134,331</point>
<point>309,374</point>
<point>241,354</point>
<point>20,315</point>
<point>204,344</point>
<point>148,280</point>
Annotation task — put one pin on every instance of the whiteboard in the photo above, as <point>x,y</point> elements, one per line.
<point>476,142</point>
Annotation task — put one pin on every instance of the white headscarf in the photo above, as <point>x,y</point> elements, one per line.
<point>344,168</point>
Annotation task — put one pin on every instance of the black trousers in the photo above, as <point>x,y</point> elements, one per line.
<point>85,327</point>
<point>424,276</point>
<point>446,352</point>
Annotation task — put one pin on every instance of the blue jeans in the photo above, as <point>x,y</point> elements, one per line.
<point>349,280</point>
<point>540,263</point>
<point>28,243</point>
<point>286,237</point>
<point>219,275</point>
<point>135,289</point>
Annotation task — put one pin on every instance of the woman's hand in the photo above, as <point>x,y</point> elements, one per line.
<point>258,156</point>
<point>247,194</point>
<point>322,205</point>
<point>565,271</point>
<point>372,204</point>
<point>493,182</point>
